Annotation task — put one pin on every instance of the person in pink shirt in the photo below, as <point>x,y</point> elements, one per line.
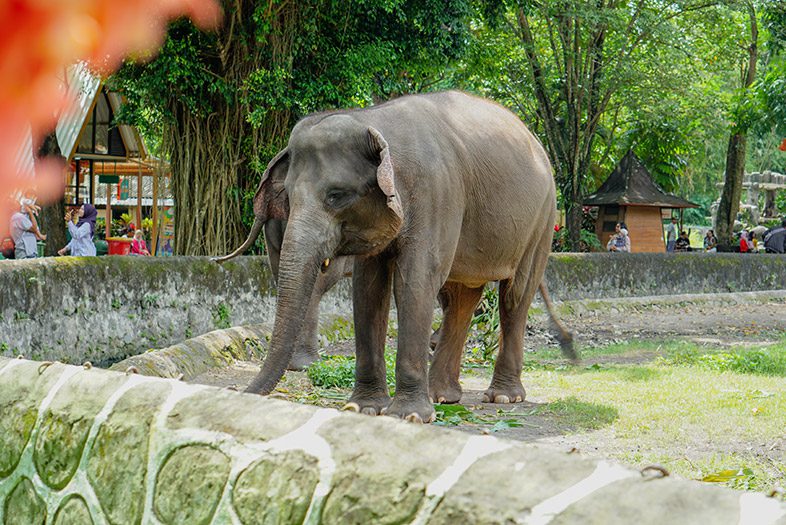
<point>138,245</point>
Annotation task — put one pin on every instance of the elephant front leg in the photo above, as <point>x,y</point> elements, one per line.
<point>415,301</point>
<point>371,289</point>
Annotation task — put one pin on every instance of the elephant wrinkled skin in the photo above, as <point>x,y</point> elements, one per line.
<point>431,194</point>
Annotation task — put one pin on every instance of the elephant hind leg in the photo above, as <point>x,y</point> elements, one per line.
<point>458,304</point>
<point>515,298</point>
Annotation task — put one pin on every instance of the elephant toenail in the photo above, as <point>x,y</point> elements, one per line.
<point>519,399</point>
<point>486,398</point>
<point>441,399</point>
<point>351,407</point>
<point>369,411</point>
<point>502,400</point>
<point>414,418</point>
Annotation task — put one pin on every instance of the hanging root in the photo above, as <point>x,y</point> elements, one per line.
<point>564,336</point>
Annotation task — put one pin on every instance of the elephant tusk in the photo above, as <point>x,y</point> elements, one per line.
<point>325,265</point>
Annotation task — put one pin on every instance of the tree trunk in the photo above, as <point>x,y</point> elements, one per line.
<point>216,159</point>
<point>732,191</point>
<point>735,155</point>
<point>50,220</point>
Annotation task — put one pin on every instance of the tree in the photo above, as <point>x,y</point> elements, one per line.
<point>580,59</point>
<point>224,103</point>
<point>738,140</point>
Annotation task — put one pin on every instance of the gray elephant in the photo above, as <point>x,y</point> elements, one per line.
<point>437,193</point>
<point>306,347</point>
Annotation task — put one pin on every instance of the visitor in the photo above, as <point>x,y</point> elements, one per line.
<point>28,206</point>
<point>775,239</point>
<point>745,244</point>
<point>682,244</point>
<point>138,245</point>
<point>82,232</point>
<point>710,242</point>
<point>22,233</point>
<point>671,234</point>
<point>620,241</point>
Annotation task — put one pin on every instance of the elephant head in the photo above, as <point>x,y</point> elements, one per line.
<point>335,185</point>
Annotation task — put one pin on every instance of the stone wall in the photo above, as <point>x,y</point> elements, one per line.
<point>83,445</point>
<point>103,309</point>
<point>604,275</point>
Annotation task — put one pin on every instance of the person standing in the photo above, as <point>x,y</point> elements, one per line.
<point>81,232</point>
<point>22,232</point>
<point>671,234</point>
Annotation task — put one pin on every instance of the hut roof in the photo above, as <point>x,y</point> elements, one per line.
<point>630,184</point>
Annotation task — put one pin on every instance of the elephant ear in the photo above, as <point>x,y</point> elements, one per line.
<point>386,177</point>
<point>271,200</point>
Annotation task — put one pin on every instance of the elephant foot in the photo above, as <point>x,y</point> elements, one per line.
<point>418,410</point>
<point>303,358</point>
<point>371,405</point>
<point>444,391</point>
<point>512,392</point>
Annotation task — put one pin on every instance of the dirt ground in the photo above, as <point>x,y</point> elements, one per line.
<point>719,323</point>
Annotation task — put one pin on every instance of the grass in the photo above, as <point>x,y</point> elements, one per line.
<point>707,413</point>
<point>698,411</point>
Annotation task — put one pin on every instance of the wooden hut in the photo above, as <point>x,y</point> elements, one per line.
<point>630,195</point>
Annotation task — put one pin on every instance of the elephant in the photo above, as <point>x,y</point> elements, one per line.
<point>429,195</point>
<point>307,344</point>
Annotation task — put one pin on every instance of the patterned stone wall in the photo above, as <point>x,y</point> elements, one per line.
<point>82,445</point>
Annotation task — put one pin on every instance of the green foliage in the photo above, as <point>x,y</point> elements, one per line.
<point>339,371</point>
<point>340,329</point>
<point>769,361</point>
<point>222,316</point>
<point>484,328</point>
<point>588,242</point>
<point>454,415</point>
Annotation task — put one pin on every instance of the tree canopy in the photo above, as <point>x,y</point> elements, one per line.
<point>592,79</point>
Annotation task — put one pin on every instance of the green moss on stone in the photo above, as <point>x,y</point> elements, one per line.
<point>189,485</point>
<point>118,459</point>
<point>21,391</point>
<point>24,506</point>
<point>73,510</point>
<point>63,431</point>
<point>276,490</point>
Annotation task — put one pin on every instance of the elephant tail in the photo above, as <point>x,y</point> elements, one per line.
<point>564,336</point>
<point>252,236</point>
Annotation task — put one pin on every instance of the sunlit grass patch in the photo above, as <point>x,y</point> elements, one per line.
<point>580,415</point>
<point>769,360</point>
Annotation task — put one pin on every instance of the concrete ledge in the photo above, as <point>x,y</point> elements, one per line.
<point>195,356</point>
<point>87,445</point>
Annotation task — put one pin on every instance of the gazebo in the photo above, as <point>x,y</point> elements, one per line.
<point>630,195</point>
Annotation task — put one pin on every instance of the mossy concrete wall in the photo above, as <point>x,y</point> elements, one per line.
<point>83,445</point>
<point>103,309</point>
<point>605,275</point>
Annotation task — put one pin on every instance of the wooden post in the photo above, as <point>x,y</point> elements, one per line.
<point>154,235</point>
<point>108,210</point>
<point>139,195</point>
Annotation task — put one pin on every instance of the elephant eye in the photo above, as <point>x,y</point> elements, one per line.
<point>340,198</point>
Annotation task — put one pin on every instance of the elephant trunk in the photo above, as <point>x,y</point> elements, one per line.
<point>302,253</point>
<point>252,236</point>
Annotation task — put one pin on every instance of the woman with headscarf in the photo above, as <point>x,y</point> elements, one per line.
<point>81,232</point>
